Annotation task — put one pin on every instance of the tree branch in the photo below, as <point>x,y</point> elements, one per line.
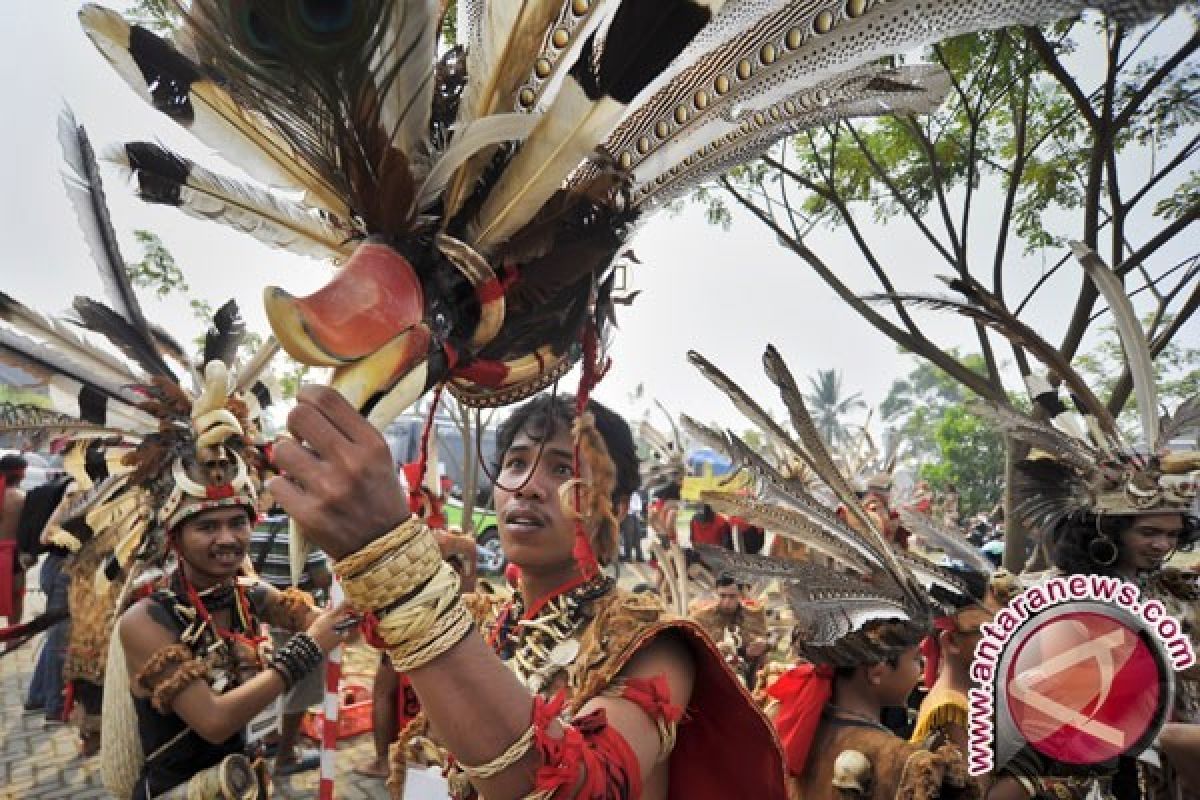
<point>1179,158</point>
<point>1155,80</point>
<point>1159,239</point>
<point>916,343</point>
<point>1055,67</point>
<point>940,191</point>
<point>898,195</point>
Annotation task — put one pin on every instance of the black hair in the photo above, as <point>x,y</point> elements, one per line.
<point>706,513</point>
<point>672,491</point>
<point>545,415</point>
<point>1070,539</point>
<point>12,464</point>
<point>725,579</point>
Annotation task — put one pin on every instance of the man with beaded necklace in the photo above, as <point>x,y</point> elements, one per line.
<point>199,671</point>
<point>576,689</point>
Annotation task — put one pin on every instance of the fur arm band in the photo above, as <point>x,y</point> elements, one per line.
<point>167,673</point>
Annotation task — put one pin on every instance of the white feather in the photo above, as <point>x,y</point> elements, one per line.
<point>1133,338</point>
<point>566,136</point>
<point>475,137</point>
<point>257,212</point>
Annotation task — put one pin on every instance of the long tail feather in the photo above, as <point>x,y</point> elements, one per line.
<point>948,541</point>
<point>1133,338</point>
<point>170,179</point>
<point>224,335</point>
<point>86,193</point>
<point>88,387</point>
<point>510,36</point>
<point>797,527</point>
<point>982,308</point>
<point>24,418</point>
<point>643,37</point>
<point>179,88</point>
<point>59,336</point>
<point>101,319</point>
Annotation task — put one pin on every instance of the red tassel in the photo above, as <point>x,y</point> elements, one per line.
<point>931,649</point>
<point>68,701</point>
<point>652,695</point>
<point>592,761</point>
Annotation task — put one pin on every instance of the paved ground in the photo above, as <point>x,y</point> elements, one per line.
<point>42,762</point>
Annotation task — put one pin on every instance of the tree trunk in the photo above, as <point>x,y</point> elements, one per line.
<point>1015,534</point>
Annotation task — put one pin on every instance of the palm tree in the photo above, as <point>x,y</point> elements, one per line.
<point>827,405</point>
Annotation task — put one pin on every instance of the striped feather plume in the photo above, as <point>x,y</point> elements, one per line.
<point>666,464</point>
<point>166,178</point>
<point>949,541</point>
<point>892,587</point>
<point>796,526</point>
<point>538,143</point>
<point>46,423</point>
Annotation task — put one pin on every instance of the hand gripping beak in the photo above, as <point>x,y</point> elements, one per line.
<point>374,298</point>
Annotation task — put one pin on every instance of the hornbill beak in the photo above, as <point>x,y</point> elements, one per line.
<point>369,324</point>
<point>372,323</point>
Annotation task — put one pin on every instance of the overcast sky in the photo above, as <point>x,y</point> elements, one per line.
<point>724,293</point>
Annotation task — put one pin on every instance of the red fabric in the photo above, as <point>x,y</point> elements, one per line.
<point>652,695</point>
<point>589,750</point>
<point>483,372</point>
<point>931,650</point>
<point>512,574</point>
<point>713,532</point>
<point>489,291</point>
<point>218,492</point>
<point>407,704</point>
<point>802,692</point>
<point>370,631</point>
<point>8,575</point>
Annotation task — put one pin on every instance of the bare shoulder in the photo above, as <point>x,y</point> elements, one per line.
<point>142,634</point>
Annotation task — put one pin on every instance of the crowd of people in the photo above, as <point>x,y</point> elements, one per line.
<point>565,639</point>
<point>477,200</point>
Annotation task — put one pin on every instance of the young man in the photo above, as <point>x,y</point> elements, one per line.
<point>737,626</point>
<point>577,689</point>
<point>199,670</point>
<point>829,723</point>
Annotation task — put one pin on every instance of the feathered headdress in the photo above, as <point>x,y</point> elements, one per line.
<point>882,600</point>
<point>1080,462</point>
<point>146,450</point>
<point>477,200</point>
<point>665,465</point>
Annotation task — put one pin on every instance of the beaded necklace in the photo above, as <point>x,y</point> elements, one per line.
<point>540,642</point>
<point>229,651</point>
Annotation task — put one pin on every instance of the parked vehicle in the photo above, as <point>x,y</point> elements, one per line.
<point>404,438</point>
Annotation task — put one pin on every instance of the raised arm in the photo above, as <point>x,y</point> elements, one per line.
<point>175,681</point>
<point>342,490</point>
